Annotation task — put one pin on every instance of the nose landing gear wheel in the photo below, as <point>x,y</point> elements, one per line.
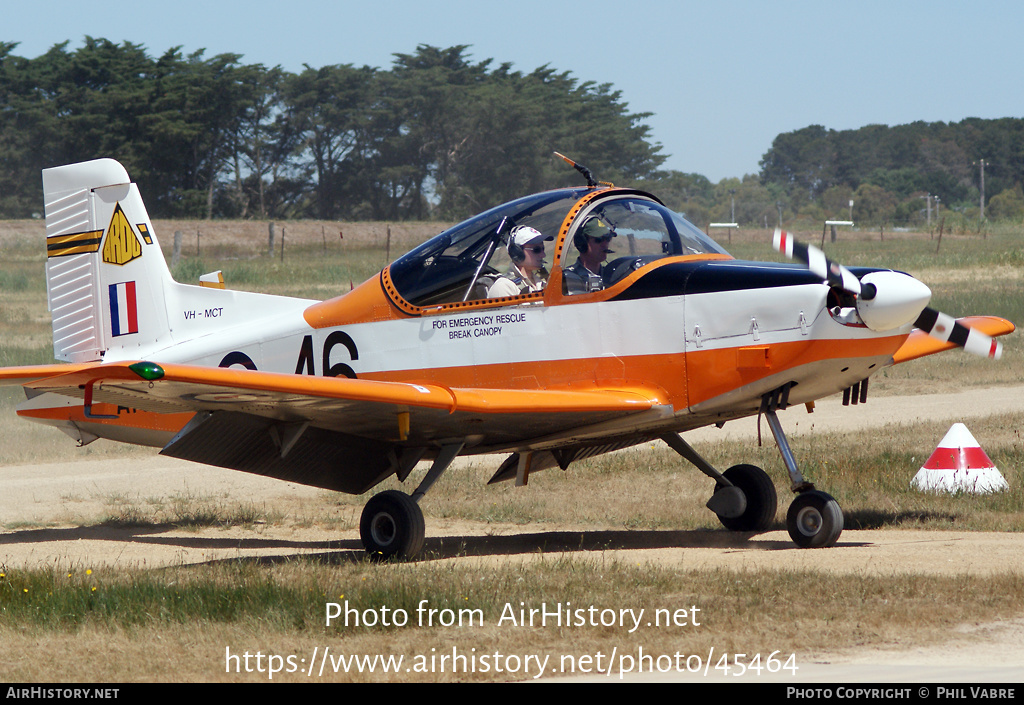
<point>392,526</point>
<point>814,520</point>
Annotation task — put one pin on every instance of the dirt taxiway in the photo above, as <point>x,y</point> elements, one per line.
<point>44,502</point>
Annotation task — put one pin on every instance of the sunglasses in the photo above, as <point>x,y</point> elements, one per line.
<point>538,249</point>
<point>603,238</point>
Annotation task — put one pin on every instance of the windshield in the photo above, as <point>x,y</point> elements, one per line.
<point>457,264</point>
<point>641,231</point>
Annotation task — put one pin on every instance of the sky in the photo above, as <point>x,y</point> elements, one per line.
<point>720,78</point>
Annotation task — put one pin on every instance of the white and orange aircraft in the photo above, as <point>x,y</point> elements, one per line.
<point>419,364</point>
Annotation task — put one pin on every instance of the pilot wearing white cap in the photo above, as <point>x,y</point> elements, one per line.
<point>527,273</point>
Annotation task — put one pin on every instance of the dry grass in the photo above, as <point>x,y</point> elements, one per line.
<point>747,612</point>
<point>175,624</point>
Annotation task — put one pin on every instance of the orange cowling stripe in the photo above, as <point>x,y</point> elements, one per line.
<point>712,373</point>
<point>687,380</point>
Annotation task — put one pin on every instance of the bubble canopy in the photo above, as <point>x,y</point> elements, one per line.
<point>448,266</point>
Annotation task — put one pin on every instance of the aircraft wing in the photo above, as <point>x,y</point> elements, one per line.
<point>335,432</point>
<point>919,343</point>
<point>29,373</point>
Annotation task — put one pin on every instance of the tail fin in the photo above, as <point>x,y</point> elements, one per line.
<point>106,278</point>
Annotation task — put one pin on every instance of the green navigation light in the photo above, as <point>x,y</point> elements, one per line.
<point>147,370</point>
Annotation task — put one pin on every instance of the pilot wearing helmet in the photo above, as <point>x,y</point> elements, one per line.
<point>527,273</point>
<point>592,239</point>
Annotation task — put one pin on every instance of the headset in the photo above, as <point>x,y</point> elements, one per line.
<point>515,251</point>
<point>579,239</point>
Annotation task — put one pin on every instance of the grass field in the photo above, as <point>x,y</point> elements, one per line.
<point>173,623</point>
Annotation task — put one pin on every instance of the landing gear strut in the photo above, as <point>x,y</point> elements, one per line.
<point>744,498</point>
<point>814,519</point>
<point>391,525</point>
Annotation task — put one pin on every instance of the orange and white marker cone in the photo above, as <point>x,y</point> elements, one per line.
<point>959,465</point>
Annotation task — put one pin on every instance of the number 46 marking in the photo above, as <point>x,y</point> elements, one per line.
<point>307,365</point>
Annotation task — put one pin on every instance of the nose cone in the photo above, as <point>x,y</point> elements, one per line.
<point>899,300</point>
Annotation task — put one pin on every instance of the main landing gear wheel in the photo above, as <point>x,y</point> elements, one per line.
<point>392,526</point>
<point>759,491</point>
<point>814,520</point>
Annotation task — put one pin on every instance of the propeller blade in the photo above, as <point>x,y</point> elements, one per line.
<point>832,272</point>
<point>938,325</point>
<point>944,327</point>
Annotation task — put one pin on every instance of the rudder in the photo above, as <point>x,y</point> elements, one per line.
<point>106,277</point>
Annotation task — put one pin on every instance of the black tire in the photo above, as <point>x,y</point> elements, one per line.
<point>392,526</point>
<point>762,500</point>
<point>814,520</point>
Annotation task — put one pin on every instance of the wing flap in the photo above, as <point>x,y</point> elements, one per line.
<point>313,456</point>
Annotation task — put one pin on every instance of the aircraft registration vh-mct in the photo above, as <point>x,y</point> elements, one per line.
<point>420,363</point>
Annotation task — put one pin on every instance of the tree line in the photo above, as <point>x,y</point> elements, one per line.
<point>440,136</point>
<point>893,173</point>
<point>436,135</point>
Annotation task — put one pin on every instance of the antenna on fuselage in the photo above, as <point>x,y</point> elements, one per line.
<point>591,181</point>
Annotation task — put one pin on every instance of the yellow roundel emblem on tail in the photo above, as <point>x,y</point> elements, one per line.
<point>122,244</point>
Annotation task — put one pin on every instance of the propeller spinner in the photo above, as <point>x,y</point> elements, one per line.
<point>888,300</point>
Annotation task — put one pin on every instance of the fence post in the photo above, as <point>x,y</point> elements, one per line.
<point>176,252</point>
